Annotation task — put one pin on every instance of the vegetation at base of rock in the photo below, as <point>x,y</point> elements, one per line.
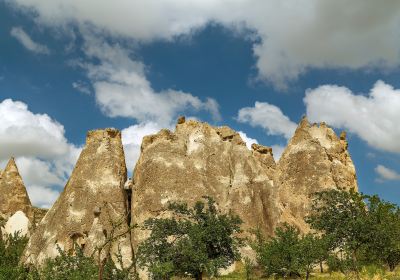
<point>362,229</point>
<point>66,266</point>
<point>193,242</point>
<point>290,254</point>
<point>350,232</point>
<point>11,248</point>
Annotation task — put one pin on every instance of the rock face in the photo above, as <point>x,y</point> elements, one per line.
<point>91,207</point>
<point>197,160</point>
<point>17,223</point>
<point>315,159</point>
<point>13,195</point>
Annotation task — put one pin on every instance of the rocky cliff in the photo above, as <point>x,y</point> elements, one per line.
<point>315,159</point>
<point>193,161</point>
<point>197,160</point>
<point>13,194</point>
<point>93,206</point>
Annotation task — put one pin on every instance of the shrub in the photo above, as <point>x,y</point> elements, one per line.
<point>192,242</point>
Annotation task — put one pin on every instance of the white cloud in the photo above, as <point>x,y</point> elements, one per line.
<point>122,90</point>
<point>293,36</point>
<point>132,140</point>
<point>386,173</point>
<point>43,155</point>
<point>81,87</point>
<point>22,37</point>
<point>269,117</point>
<point>248,140</point>
<point>42,196</point>
<point>277,151</point>
<point>373,117</point>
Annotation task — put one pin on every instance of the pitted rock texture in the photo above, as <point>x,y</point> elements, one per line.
<point>92,201</point>
<point>13,194</point>
<point>201,160</point>
<point>315,159</point>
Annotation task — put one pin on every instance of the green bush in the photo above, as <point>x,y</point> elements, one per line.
<point>289,254</point>
<point>194,241</point>
<point>11,248</point>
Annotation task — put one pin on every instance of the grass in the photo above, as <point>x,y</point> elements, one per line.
<point>368,273</point>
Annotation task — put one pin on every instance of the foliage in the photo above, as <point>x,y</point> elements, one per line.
<point>11,248</point>
<point>362,229</point>
<point>384,244</point>
<point>192,242</point>
<point>343,217</point>
<point>65,266</point>
<point>289,253</point>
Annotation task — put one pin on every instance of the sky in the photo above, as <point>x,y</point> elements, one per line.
<point>258,66</point>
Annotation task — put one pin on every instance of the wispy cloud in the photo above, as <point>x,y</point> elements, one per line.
<point>386,174</point>
<point>81,87</point>
<point>19,34</point>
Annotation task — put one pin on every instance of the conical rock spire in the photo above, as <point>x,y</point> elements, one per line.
<point>13,194</point>
<point>92,208</point>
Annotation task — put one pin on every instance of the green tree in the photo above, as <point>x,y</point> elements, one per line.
<point>342,216</point>
<point>11,248</point>
<point>288,253</point>
<point>192,242</point>
<point>384,244</point>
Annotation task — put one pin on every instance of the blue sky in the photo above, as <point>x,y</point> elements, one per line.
<point>70,66</point>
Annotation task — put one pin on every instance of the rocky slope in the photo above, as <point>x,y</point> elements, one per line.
<point>93,206</point>
<point>315,159</point>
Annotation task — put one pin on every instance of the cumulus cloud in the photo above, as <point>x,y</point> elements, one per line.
<point>122,89</point>
<point>44,156</point>
<point>22,37</point>
<point>248,140</point>
<point>269,117</point>
<point>386,174</point>
<point>277,151</point>
<point>292,36</point>
<point>132,139</point>
<point>373,117</point>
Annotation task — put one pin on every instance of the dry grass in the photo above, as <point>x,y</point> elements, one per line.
<point>369,273</point>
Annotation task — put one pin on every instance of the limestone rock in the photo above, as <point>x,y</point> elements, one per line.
<point>265,155</point>
<point>13,194</point>
<point>92,202</point>
<point>197,160</point>
<point>315,159</point>
<point>17,223</point>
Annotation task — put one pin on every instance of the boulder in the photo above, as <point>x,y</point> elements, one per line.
<point>92,207</point>
<point>17,223</point>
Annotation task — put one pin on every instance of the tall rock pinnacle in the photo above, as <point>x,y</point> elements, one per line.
<point>13,194</point>
<point>315,159</point>
<point>92,206</point>
<point>201,160</point>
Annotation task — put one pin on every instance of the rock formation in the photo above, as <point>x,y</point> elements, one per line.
<point>92,208</point>
<point>315,159</point>
<point>17,223</point>
<point>13,194</point>
<point>197,160</point>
